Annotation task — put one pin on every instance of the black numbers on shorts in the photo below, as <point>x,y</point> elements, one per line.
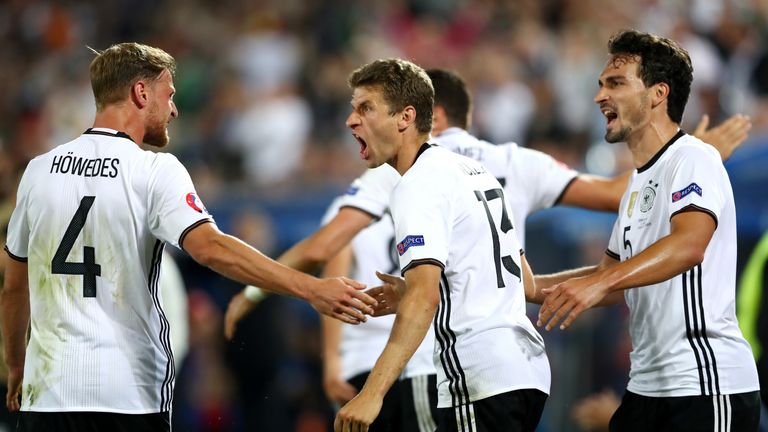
<point>88,268</point>
<point>506,225</point>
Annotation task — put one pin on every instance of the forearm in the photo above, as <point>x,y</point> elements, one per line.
<point>311,253</point>
<point>331,329</point>
<point>665,259</point>
<point>596,193</point>
<point>14,303</point>
<point>414,317</point>
<point>546,281</point>
<point>238,261</point>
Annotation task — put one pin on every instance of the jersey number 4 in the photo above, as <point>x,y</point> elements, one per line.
<point>88,268</point>
<point>506,225</point>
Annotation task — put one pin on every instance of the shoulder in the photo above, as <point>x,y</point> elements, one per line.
<point>688,147</point>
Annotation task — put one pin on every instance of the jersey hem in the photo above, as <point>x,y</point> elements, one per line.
<point>92,409</point>
<point>418,262</point>
<point>694,207</point>
<point>691,392</point>
<point>486,395</point>
<point>565,189</point>
<point>366,211</point>
<point>14,257</point>
<point>190,228</point>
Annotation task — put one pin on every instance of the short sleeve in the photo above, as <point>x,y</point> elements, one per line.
<point>174,207</point>
<point>614,244</point>
<point>331,211</point>
<point>370,192</point>
<point>17,240</point>
<point>546,177</point>
<point>697,182</point>
<point>423,223</point>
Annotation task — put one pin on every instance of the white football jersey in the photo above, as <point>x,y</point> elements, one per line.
<point>91,220</point>
<point>370,192</point>
<point>451,212</point>
<point>685,337</point>
<point>532,180</point>
<point>374,250</point>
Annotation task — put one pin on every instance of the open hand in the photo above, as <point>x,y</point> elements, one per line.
<point>387,295</point>
<point>568,300</point>
<point>725,137</point>
<point>342,298</point>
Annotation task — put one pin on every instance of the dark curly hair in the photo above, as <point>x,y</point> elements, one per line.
<point>660,60</point>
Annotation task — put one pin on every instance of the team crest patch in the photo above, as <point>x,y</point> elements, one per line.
<point>409,241</point>
<point>649,195</point>
<point>682,193</point>
<point>195,202</point>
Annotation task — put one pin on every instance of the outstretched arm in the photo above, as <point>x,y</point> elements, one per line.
<point>307,256</point>
<point>340,298</point>
<point>682,249</point>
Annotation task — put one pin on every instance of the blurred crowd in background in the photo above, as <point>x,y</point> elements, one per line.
<point>262,95</point>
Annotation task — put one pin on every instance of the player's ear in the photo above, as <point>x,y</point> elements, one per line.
<point>406,118</point>
<point>660,93</point>
<point>140,94</point>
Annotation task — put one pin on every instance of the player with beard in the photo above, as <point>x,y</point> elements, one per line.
<point>85,243</point>
<point>671,256</point>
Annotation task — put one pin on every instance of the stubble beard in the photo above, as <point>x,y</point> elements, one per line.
<point>156,130</point>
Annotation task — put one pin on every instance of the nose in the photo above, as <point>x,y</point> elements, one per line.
<point>353,120</point>
<point>174,110</point>
<point>600,96</point>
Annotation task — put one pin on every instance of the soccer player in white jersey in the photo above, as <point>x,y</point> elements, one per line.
<point>462,264</point>
<point>350,351</point>
<point>85,243</point>
<point>672,255</point>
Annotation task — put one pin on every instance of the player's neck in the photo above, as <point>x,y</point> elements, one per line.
<point>644,144</point>
<point>406,156</point>
<point>121,119</point>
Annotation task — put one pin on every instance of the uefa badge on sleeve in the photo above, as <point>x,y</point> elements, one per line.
<point>196,203</point>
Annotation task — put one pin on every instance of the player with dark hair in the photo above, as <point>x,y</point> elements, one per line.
<point>671,256</point>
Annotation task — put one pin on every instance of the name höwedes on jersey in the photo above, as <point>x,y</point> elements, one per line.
<point>86,167</point>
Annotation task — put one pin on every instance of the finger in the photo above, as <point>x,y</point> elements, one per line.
<point>551,304</point>
<point>343,317</point>
<point>337,423</point>
<point>575,312</point>
<point>384,277</point>
<point>353,283</point>
<point>559,314</point>
<point>702,126</point>
<point>375,292</point>
<point>229,327</point>
<point>365,298</point>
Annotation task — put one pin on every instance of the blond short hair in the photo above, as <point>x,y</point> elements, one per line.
<point>118,67</point>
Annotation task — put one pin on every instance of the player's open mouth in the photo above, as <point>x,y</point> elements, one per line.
<point>610,115</point>
<point>363,147</point>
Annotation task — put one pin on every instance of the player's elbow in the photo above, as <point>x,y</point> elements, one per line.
<point>691,255</point>
<point>209,253</point>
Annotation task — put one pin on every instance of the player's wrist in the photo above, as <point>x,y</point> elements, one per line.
<point>254,294</point>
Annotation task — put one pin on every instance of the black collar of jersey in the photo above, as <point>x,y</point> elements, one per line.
<point>661,152</point>
<point>90,131</point>
<point>424,147</point>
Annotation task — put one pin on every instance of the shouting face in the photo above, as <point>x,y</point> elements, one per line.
<point>374,127</point>
<point>623,98</point>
